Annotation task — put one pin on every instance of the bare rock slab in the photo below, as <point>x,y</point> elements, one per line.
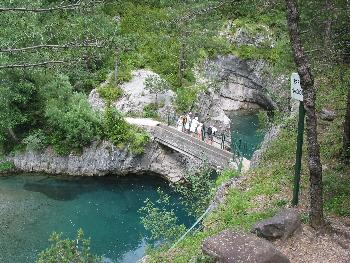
<point>236,247</point>
<point>282,225</point>
<point>328,115</point>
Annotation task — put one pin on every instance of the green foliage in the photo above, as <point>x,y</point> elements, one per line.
<point>110,93</point>
<point>264,121</point>
<point>159,220</point>
<point>197,191</point>
<point>73,124</point>
<point>6,166</point>
<point>156,85</point>
<point>68,250</point>
<point>185,98</point>
<point>225,175</point>
<point>122,134</point>
<point>151,111</point>
<point>116,129</point>
<point>36,140</point>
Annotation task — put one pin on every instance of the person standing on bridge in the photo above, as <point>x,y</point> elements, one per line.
<point>184,122</point>
<point>223,138</point>
<point>194,125</point>
<point>179,123</point>
<point>199,131</point>
<point>188,122</point>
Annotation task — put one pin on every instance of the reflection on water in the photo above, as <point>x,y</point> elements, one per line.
<point>245,131</point>
<point>32,207</point>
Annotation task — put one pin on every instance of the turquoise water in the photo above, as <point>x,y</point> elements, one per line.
<point>245,131</point>
<point>32,207</point>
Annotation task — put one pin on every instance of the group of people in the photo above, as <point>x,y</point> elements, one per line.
<point>190,124</point>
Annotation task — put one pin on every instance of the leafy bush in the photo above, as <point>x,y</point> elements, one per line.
<point>116,129</point>
<point>151,111</point>
<point>156,85</point>
<point>6,166</point>
<point>185,98</point>
<point>68,250</point>
<point>36,140</point>
<point>110,93</point>
<point>120,133</point>
<point>197,191</point>
<point>159,220</point>
<point>73,123</point>
<point>139,139</point>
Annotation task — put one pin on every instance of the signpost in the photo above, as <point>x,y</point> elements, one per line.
<point>297,93</point>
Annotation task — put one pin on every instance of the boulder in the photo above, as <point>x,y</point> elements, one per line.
<point>136,96</point>
<point>282,225</point>
<point>327,115</point>
<point>236,247</point>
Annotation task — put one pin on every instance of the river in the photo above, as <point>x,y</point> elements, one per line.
<point>106,208</point>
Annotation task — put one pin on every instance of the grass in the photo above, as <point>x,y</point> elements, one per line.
<point>268,188</point>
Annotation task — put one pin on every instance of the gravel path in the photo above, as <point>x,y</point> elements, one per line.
<point>307,246</point>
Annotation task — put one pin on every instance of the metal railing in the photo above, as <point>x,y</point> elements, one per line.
<point>229,142</point>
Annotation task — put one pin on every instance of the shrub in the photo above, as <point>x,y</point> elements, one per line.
<point>36,140</point>
<point>185,98</point>
<point>73,126</point>
<point>197,191</point>
<point>120,133</point>
<point>151,111</point>
<point>6,166</point>
<point>159,220</point>
<point>110,93</point>
<point>68,250</point>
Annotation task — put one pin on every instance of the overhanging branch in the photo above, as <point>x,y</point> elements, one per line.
<point>39,64</point>
<point>50,9</point>
<point>65,46</point>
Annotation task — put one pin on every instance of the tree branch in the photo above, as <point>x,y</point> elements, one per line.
<point>202,11</point>
<point>50,9</point>
<point>39,64</point>
<point>66,46</point>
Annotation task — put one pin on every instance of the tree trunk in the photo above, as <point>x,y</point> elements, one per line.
<point>328,26</point>
<point>307,83</point>
<point>116,68</point>
<point>346,135</point>
<point>12,134</point>
<point>182,62</point>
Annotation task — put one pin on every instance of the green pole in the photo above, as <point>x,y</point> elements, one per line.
<point>298,154</point>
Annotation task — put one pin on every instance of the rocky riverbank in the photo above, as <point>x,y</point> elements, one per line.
<point>103,158</point>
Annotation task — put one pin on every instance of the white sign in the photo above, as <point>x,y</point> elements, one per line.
<point>295,88</point>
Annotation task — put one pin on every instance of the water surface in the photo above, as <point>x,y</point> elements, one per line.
<point>246,132</point>
<point>32,207</point>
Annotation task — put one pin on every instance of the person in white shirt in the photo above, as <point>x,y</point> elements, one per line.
<point>179,123</point>
<point>194,125</point>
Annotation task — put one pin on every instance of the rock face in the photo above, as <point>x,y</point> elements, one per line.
<point>104,158</point>
<point>236,247</point>
<point>237,84</point>
<point>282,225</point>
<point>327,115</point>
<point>136,97</point>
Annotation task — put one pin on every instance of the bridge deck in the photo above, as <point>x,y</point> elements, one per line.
<point>192,147</point>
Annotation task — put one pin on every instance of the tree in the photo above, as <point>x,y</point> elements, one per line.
<point>156,85</point>
<point>307,82</point>
<point>68,250</point>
